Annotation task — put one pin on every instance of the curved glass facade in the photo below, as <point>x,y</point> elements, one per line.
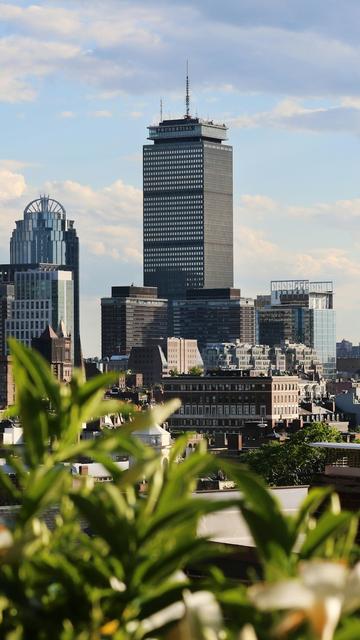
<point>46,236</point>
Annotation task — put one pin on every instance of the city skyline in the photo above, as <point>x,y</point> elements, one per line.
<point>287,91</point>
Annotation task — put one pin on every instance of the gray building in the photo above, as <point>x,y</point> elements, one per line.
<point>132,317</point>
<point>301,311</point>
<point>188,207</point>
<point>214,315</point>
<point>289,358</point>
<point>6,301</point>
<point>42,296</point>
<point>46,235</point>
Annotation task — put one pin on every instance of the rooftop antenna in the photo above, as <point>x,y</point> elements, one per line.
<point>161,110</point>
<point>187,98</point>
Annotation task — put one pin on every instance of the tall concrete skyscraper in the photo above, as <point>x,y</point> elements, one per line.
<point>45,235</point>
<point>188,206</point>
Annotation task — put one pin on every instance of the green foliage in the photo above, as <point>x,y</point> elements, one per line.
<point>316,432</point>
<point>112,563</point>
<point>196,371</point>
<point>294,462</point>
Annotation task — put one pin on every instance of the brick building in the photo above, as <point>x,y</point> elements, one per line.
<point>227,401</point>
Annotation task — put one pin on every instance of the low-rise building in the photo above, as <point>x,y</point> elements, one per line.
<point>56,349</point>
<point>286,358</point>
<point>150,361</point>
<point>182,354</point>
<point>348,403</point>
<point>229,400</point>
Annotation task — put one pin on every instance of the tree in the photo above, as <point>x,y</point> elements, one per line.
<point>293,462</point>
<point>316,432</point>
<point>174,372</point>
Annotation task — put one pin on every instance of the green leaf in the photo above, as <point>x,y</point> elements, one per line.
<point>327,526</point>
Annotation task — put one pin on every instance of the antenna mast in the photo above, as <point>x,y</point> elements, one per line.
<point>187,98</point>
<point>161,109</point>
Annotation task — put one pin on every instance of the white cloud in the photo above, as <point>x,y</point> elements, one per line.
<point>108,220</point>
<point>135,47</point>
<point>136,114</point>
<point>291,114</point>
<point>123,24</point>
<point>67,114</point>
<point>257,207</point>
<point>101,113</point>
<point>12,185</point>
<point>23,58</point>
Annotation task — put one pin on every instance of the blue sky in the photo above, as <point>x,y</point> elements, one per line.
<point>80,81</point>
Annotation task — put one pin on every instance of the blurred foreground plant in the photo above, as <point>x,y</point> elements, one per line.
<point>113,563</point>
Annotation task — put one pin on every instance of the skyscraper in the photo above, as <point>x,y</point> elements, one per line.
<point>43,296</point>
<point>188,206</point>
<point>45,235</point>
<point>301,311</point>
<point>132,317</point>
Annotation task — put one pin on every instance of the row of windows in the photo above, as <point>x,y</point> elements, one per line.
<point>285,387</point>
<point>176,198</point>
<point>222,410</point>
<point>153,151</point>
<point>247,386</point>
<point>281,411</point>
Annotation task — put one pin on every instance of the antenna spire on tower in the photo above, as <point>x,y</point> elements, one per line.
<point>187,97</point>
<point>161,109</point>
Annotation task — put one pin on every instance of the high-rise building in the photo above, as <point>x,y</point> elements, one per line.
<point>188,206</point>
<point>46,235</point>
<point>214,315</point>
<point>42,296</point>
<point>247,320</point>
<point>132,317</point>
<point>301,311</point>
<point>6,301</point>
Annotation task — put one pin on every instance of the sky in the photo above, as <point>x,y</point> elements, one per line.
<point>80,81</point>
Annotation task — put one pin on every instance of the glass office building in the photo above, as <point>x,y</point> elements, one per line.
<point>301,311</point>
<point>188,207</point>
<point>42,296</point>
<point>45,235</point>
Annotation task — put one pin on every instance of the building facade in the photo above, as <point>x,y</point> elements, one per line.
<point>188,207</point>
<point>301,311</point>
<point>288,358</point>
<point>42,296</point>
<point>228,401</point>
<point>55,347</point>
<point>247,321</point>
<point>7,292</point>
<point>149,361</point>
<point>132,317</point>
<point>169,356</point>
<point>182,354</point>
<point>45,235</point>
<point>7,382</point>
<point>213,315</point>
